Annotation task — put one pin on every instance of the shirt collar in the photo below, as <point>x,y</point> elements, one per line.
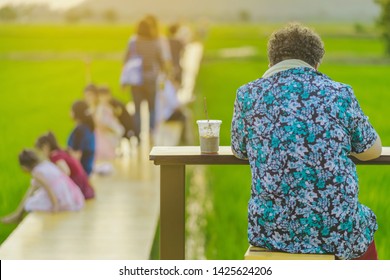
<point>285,65</point>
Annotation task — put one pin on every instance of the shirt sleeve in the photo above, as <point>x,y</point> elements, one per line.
<point>238,129</point>
<point>75,139</point>
<point>363,134</point>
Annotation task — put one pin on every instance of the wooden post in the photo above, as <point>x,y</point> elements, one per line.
<point>172,200</point>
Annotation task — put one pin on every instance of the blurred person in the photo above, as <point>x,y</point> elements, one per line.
<point>169,108</point>
<point>162,41</point>
<point>148,48</point>
<point>81,142</point>
<point>298,129</point>
<point>48,146</point>
<point>51,190</point>
<point>176,47</point>
<point>125,118</point>
<point>120,111</point>
<point>184,33</point>
<point>91,97</point>
<point>202,29</point>
<point>108,130</point>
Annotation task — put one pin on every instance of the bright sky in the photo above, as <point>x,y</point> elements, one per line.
<point>56,4</point>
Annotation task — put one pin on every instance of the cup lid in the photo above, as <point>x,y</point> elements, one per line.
<point>208,121</point>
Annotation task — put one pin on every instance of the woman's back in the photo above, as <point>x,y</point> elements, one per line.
<point>150,51</point>
<point>299,128</point>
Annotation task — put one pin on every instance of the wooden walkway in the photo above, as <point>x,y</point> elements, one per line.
<point>121,222</point>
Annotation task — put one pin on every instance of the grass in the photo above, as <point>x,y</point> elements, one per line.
<point>43,71</point>
<point>351,58</point>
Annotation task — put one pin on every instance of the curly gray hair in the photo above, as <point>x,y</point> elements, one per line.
<point>295,41</point>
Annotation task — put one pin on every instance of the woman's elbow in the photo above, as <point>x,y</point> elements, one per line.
<point>238,154</point>
<point>373,152</point>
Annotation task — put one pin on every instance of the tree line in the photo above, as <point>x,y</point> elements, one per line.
<point>10,13</point>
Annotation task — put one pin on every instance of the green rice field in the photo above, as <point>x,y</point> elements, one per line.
<point>43,69</point>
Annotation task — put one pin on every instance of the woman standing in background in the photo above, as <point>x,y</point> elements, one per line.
<point>146,46</point>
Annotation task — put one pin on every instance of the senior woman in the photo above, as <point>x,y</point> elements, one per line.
<point>298,128</point>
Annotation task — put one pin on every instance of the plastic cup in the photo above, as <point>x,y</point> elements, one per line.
<point>209,136</point>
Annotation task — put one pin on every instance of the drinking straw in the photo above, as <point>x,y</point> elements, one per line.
<point>209,130</point>
<point>205,109</point>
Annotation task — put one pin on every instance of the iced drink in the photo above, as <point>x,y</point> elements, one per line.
<point>209,136</point>
<point>209,145</point>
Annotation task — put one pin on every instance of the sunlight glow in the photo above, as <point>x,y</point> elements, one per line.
<point>54,4</point>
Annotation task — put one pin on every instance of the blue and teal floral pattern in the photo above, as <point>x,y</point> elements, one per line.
<point>298,128</point>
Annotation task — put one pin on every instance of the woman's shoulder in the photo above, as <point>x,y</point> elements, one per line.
<point>324,81</point>
<point>317,78</point>
<point>251,86</point>
<point>148,43</point>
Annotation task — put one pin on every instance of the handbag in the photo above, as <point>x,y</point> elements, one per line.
<point>166,100</point>
<point>133,68</point>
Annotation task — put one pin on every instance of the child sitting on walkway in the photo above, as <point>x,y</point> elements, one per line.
<point>81,142</point>
<point>109,131</point>
<point>51,190</point>
<point>120,111</point>
<point>48,145</point>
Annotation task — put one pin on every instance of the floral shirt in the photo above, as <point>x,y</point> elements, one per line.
<point>297,128</point>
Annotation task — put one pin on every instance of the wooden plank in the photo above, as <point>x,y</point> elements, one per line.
<point>190,155</point>
<point>119,224</point>
<point>257,253</point>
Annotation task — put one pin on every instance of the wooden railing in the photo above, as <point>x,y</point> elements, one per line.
<point>172,161</point>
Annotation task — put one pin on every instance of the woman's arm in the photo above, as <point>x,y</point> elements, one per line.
<point>238,131</point>
<point>17,215</point>
<point>373,152</point>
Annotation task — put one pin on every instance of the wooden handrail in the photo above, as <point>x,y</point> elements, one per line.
<point>190,155</point>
